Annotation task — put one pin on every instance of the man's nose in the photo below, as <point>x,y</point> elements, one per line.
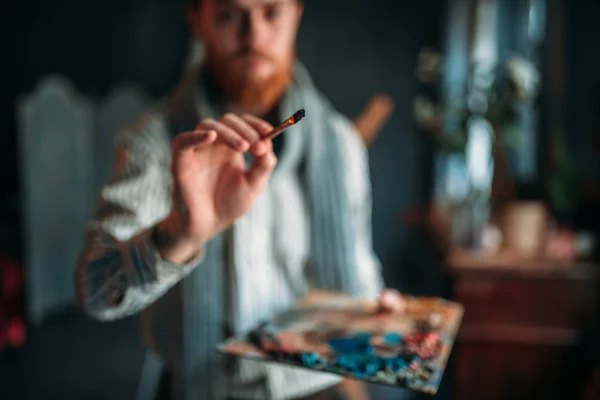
<point>253,29</point>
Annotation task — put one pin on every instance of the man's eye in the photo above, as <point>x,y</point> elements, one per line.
<point>225,16</point>
<point>273,12</point>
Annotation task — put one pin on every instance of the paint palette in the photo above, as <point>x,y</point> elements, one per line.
<point>338,334</point>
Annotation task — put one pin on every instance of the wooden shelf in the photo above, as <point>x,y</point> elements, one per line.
<point>522,322</point>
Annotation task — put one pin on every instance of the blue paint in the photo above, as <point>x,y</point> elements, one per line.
<point>392,338</point>
<point>350,345</point>
<point>362,336</point>
<point>355,355</point>
<point>370,365</point>
<point>360,365</point>
<point>349,362</point>
<point>309,359</point>
<point>396,363</point>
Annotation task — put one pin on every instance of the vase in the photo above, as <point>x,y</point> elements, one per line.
<point>524,225</point>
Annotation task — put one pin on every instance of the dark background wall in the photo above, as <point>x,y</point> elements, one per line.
<point>582,97</point>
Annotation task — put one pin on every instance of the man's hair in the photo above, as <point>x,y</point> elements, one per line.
<point>194,4</point>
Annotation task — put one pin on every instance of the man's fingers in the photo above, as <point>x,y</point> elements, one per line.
<point>391,300</point>
<point>260,170</point>
<point>184,146</point>
<point>192,140</point>
<point>261,147</point>
<point>262,126</point>
<point>227,134</point>
<point>241,133</point>
<point>240,126</point>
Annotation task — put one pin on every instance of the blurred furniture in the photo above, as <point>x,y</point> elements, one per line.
<point>55,151</point>
<point>524,225</point>
<point>373,117</point>
<point>66,147</point>
<point>522,326</point>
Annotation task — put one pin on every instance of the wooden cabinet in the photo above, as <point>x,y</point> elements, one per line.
<point>522,327</point>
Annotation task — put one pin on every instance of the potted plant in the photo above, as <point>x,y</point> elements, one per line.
<point>448,124</point>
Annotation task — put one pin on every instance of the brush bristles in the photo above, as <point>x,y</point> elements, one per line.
<point>298,115</point>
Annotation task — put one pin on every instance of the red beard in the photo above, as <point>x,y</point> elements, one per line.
<point>246,93</point>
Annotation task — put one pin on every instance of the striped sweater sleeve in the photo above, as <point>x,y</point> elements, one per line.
<point>356,166</point>
<point>119,271</point>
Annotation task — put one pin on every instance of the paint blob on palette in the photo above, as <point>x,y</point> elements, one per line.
<point>335,333</point>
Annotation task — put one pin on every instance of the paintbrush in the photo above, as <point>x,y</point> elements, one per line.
<point>294,119</point>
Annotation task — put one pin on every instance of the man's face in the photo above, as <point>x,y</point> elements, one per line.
<point>249,42</point>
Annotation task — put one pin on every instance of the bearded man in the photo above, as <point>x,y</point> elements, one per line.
<point>208,228</point>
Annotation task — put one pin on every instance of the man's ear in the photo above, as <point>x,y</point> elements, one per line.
<point>300,10</point>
